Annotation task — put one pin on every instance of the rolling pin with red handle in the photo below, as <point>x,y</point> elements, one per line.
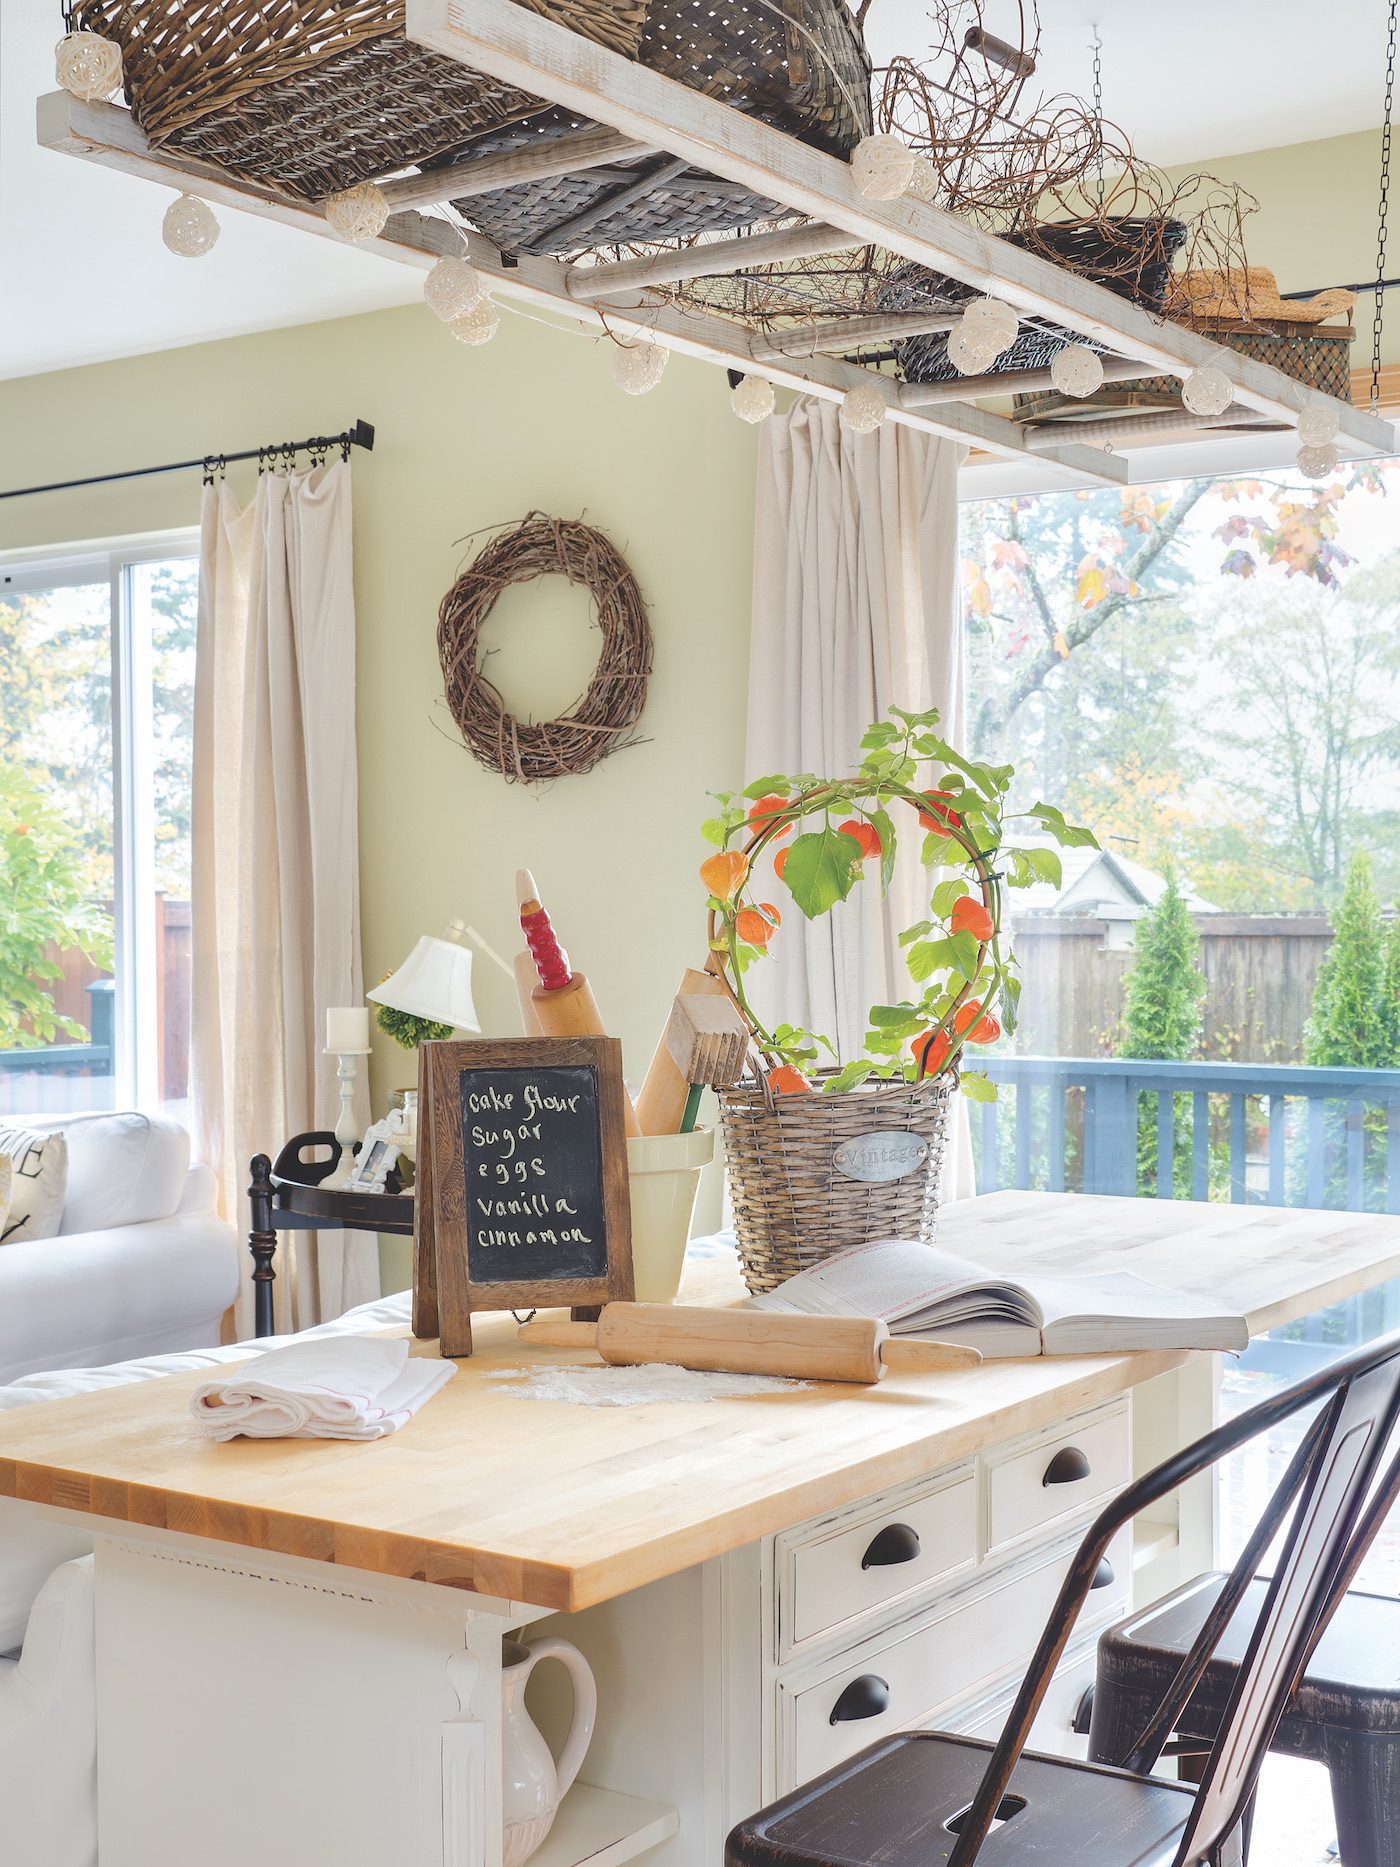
<point>736,1341</point>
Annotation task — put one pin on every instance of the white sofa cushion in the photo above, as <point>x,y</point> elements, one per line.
<point>48,1730</point>
<point>123,1169</point>
<point>38,1182</point>
<point>99,1297</point>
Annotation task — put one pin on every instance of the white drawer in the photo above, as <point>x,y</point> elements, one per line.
<point>835,1572</point>
<point>1053,1730</point>
<point>1034,1483</point>
<point>901,1677</point>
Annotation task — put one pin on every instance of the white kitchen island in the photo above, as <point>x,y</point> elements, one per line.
<point>299,1642</point>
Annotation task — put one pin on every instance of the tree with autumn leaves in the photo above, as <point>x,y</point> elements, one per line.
<point>1201,670</point>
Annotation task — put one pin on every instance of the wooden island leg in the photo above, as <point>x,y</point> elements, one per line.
<point>262,1242</point>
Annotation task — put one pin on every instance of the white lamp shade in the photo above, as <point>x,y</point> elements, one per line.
<point>435,981</point>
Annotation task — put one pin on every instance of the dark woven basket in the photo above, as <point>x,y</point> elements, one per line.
<point>329,92</point>
<point>1311,353</point>
<point>1130,257</point>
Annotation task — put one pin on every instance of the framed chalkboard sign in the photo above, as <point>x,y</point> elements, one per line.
<point>522,1199</point>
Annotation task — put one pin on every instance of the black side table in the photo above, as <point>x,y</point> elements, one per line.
<point>286,1196</point>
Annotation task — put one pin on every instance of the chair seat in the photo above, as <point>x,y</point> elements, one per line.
<point>1352,1682</point>
<point>891,1806</point>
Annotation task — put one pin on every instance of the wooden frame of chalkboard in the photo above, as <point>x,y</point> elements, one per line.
<point>521,1193</point>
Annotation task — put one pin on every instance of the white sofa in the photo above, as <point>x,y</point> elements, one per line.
<point>142,1263</point>
<point>48,1716</point>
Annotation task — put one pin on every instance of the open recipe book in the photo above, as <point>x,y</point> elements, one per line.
<point>919,1290</point>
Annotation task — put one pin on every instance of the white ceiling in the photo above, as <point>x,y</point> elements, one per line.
<point>84,275</point>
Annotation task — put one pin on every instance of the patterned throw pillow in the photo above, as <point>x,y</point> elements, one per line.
<point>38,1183</point>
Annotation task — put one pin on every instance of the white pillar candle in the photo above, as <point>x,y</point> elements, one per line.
<point>347,1028</point>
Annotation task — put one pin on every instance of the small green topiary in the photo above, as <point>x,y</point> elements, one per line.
<point>406,1028</point>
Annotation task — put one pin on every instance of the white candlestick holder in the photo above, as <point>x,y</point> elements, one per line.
<point>347,1129</point>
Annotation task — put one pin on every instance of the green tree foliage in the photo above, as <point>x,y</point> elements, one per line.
<point>1164,986</point>
<point>44,909</point>
<point>1352,1024</point>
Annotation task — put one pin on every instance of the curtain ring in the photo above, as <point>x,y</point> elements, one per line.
<point>208,469</point>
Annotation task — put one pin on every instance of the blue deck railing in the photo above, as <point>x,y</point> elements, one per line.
<point>1262,1134</point>
<point>48,1079</point>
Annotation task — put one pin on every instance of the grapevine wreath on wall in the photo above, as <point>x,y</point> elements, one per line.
<point>605,716</point>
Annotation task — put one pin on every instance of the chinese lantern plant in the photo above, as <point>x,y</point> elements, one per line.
<point>963,978</point>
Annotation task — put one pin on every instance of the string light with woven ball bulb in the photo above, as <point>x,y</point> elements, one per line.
<point>1318,463</point>
<point>88,66</point>
<point>477,326</point>
<point>358,213</point>
<point>1207,391</point>
<point>883,167</point>
<point>452,288</point>
<point>753,400</point>
<point>190,227</point>
<point>1076,371</point>
<point>863,408</point>
<point>637,368</point>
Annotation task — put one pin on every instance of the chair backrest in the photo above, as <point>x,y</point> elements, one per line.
<point>1330,1515</point>
<point>1340,1490</point>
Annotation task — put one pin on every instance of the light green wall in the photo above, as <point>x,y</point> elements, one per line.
<point>466,439</point>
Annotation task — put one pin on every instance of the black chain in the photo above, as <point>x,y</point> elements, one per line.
<point>1098,100</point>
<point>1381,212</point>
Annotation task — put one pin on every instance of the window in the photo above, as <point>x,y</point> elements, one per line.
<point>96,717</point>
<point>1207,673</point>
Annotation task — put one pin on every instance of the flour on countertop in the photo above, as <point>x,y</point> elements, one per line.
<point>636,1387</point>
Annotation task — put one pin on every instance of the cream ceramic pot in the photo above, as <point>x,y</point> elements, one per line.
<point>533,1783</point>
<point>663,1173</point>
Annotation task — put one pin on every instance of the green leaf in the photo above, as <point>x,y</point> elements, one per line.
<point>883,825</point>
<point>941,852</point>
<point>916,932</point>
<point>946,893</point>
<point>964,959</point>
<point>922,960</point>
<point>890,1014</point>
<point>1068,835</point>
<point>977,1087</point>
<point>713,829</point>
<point>847,1078</point>
<point>822,868</point>
<point>763,787</point>
<point>880,733</point>
<point>1047,866</point>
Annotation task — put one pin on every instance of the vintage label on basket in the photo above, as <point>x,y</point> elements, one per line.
<point>887,1154</point>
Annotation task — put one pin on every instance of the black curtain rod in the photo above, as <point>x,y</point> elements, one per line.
<point>359,434</point>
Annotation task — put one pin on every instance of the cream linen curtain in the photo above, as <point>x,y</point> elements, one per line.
<point>856,608</point>
<point>276,886</point>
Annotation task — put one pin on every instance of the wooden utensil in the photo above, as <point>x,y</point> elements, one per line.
<point>708,1041</point>
<point>736,1341</point>
<point>664,1092</point>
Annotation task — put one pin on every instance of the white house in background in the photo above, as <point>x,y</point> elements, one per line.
<point>1103,885</point>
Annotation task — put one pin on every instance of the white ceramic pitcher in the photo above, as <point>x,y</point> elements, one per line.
<point>534,1784</point>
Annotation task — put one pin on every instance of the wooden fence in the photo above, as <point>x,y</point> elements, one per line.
<point>1259,970</point>
<point>173,950</point>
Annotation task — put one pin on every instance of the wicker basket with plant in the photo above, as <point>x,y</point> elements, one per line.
<point>826,1154</point>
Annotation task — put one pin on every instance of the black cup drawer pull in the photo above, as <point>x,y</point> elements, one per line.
<point>897,1542</point>
<point>1103,1575</point>
<point>1068,1467</point>
<point>865,1697</point>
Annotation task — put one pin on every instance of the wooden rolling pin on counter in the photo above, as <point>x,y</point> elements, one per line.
<point>732,1341</point>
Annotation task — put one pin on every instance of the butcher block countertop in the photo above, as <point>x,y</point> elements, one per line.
<point>563,1505</point>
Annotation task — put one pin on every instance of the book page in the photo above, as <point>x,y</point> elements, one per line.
<point>901,1281</point>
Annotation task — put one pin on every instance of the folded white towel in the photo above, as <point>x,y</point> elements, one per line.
<point>340,1387</point>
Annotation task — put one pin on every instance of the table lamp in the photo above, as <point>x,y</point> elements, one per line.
<point>435,981</point>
